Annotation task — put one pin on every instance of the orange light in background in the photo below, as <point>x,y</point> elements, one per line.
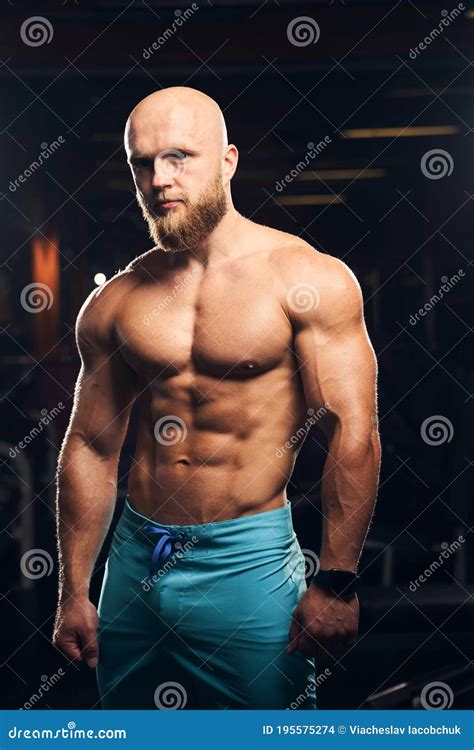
<point>401,132</point>
<point>46,286</point>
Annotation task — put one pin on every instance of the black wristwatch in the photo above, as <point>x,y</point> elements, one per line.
<point>342,583</point>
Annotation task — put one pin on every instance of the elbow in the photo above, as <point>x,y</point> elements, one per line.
<point>356,438</point>
<point>96,446</point>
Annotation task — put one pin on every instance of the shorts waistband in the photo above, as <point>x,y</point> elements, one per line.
<point>249,530</point>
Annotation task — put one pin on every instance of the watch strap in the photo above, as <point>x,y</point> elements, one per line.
<point>339,582</point>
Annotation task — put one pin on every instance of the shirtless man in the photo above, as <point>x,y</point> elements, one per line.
<point>231,336</point>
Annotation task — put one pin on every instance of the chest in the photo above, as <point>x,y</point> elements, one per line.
<point>224,325</point>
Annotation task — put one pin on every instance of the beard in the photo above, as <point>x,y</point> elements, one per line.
<point>175,232</point>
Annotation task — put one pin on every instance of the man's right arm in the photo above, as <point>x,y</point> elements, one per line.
<point>87,472</point>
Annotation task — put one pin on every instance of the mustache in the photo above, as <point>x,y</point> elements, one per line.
<point>154,202</point>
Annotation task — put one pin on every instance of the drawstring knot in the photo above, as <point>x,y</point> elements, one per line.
<point>166,543</point>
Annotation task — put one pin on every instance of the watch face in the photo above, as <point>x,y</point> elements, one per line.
<point>339,582</point>
<point>343,576</point>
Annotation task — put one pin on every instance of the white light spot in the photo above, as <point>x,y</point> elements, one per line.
<point>100,278</point>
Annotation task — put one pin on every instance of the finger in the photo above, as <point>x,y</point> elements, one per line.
<point>69,647</point>
<point>294,635</point>
<point>90,648</point>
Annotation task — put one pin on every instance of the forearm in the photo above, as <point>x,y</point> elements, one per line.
<point>349,490</point>
<point>86,495</point>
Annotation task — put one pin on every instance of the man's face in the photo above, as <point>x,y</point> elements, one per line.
<point>188,179</point>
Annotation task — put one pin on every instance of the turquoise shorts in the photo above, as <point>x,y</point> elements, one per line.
<point>198,616</point>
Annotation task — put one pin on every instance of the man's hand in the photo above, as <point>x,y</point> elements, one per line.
<point>323,625</point>
<point>75,631</point>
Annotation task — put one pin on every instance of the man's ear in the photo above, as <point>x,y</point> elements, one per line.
<point>231,159</point>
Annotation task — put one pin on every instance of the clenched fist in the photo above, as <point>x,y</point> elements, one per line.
<point>75,630</point>
<point>323,625</point>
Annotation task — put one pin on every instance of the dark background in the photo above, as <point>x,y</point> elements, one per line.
<point>367,200</point>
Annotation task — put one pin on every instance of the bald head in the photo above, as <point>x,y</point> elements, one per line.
<point>179,110</point>
<point>182,164</point>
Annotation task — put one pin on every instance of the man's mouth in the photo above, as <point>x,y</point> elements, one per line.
<point>167,203</point>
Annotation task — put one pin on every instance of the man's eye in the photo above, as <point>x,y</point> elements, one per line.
<point>179,155</point>
<point>142,163</point>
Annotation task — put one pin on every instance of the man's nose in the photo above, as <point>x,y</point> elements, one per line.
<point>161,180</point>
<point>164,172</point>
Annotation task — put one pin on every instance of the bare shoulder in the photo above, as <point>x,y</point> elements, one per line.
<point>95,321</point>
<point>313,284</point>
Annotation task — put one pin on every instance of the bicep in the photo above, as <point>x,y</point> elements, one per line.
<point>337,364</point>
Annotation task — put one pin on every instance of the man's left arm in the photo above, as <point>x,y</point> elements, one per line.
<point>338,369</point>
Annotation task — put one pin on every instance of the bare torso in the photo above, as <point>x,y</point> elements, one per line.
<point>219,388</point>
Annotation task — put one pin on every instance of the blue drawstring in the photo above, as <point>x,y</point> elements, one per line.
<point>165,545</point>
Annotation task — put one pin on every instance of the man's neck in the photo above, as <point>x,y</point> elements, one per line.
<point>223,242</point>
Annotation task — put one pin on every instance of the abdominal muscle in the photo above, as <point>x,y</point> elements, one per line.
<point>216,461</point>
